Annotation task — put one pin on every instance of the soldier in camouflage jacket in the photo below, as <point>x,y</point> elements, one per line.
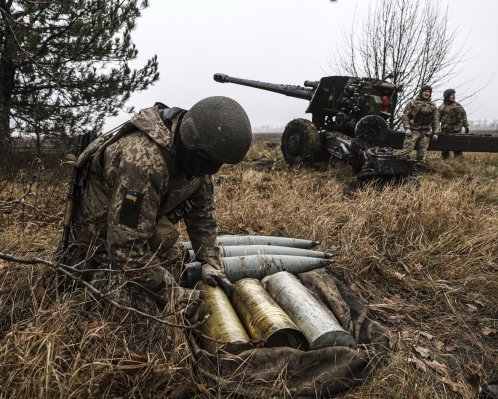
<point>453,118</point>
<point>155,171</point>
<point>421,122</point>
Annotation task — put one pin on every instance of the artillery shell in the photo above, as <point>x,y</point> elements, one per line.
<point>257,266</point>
<point>229,240</point>
<point>263,318</point>
<point>222,324</point>
<point>319,325</point>
<point>244,250</point>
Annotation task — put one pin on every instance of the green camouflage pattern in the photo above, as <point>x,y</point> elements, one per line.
<point>453,117</point>
<point>122,218</point>
<point>420,114</point>
<point>418,140</point>
<point>421,117</point>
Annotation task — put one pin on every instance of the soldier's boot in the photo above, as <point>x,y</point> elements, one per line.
<point>445,154</point>
<point>458,154</point>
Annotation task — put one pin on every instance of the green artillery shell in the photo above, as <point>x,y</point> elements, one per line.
<point>318,323</point>
<point>262,317</point>
<point>244,250</point>
<point>257,266</point>
<point>229,240</point>
<point>222,324</point>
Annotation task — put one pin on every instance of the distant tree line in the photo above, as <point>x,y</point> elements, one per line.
<point>64,65</point>
<point>484,124</point>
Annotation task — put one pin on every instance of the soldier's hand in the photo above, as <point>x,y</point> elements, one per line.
<point>466,130</point>
<point>215,277</point>
<point>435,137</point>
<point>408,132</point>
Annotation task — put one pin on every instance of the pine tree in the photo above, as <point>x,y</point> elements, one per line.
<point>64,65</point>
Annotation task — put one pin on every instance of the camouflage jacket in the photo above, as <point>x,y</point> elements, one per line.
<point>421,115</point>
<point>453,117</point>
<point>134,196</point>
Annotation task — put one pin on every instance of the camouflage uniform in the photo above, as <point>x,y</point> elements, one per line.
<point>420,116</point>
<point>133,198</point>
<point>453,118</point>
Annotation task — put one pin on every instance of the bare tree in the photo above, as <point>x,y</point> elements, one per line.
<point>406,42</point>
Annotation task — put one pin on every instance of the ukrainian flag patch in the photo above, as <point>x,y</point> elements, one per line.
<point>132,195</point>
<point>131,207</point>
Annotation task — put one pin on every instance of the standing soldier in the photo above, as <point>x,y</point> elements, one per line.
<point>421,122</point>
<point>155,171</point>
<point>453,117</point>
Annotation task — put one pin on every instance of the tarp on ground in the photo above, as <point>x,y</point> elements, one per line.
<point>277,372</point>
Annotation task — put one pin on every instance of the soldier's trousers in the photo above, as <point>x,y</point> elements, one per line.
<point>446,154</point>
<point>418,140</point>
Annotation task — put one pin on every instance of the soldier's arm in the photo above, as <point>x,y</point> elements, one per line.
<point>201,223</point>
<point>407,111</point>
<point>136,173</point>
<point>435,121</point>
<point>465,122</point>
<point>440,111</point>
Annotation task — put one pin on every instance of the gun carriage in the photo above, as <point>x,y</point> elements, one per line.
<point>349,122</point>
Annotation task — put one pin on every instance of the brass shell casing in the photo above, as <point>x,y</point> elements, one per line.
<point>222,324</point>
<point>263,318</point>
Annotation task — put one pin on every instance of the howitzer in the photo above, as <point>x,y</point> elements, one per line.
<point>349,122</point>
<point>76,184</point>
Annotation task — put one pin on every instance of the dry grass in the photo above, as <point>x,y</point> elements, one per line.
<point>425,259</point>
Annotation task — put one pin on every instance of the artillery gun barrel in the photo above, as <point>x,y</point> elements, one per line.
<point>305,93</point>
<point>310,83</point>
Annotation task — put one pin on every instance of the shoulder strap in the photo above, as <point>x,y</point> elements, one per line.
<point>103,142</point>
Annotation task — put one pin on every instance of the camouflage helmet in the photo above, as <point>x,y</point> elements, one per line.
<point>219,128</point>
<point>447,93</point>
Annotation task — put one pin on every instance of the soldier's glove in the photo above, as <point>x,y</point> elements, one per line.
<point>434,137</point>
<point>408,132</point>
<point>215,277</point>
<point>466,130</point>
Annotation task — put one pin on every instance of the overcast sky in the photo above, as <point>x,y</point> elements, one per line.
<point>282,41</point>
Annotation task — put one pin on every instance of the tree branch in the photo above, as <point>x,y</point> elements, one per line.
<point>67,271</point>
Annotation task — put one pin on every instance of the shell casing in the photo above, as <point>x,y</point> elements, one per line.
<point>222,324</point>
<point>318,323</point>
<point>263,318</point>
<point>257,266</point>
<point>229,240</point>
<point>244,250</point>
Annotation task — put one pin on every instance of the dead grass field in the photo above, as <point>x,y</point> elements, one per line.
<point>425,260</point>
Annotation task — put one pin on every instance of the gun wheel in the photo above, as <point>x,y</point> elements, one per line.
<point>301,142</point>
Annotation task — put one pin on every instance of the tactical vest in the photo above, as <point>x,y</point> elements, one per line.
<point>424,114</point>
<point>451,117</point>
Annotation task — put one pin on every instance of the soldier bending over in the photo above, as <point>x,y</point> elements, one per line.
<point>155,171</point>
